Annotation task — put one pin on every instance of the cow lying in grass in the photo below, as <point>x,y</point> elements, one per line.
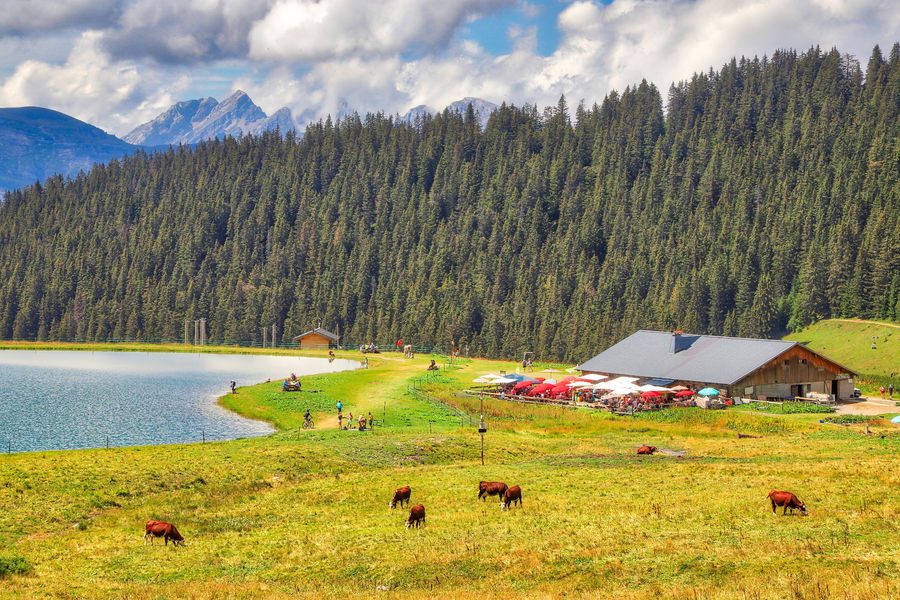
<point>788,500</point>
<point>646,449</point>
<point>416,516</point>
<point>167,531</point>
<point>401,494</point>
<point>510,497</point>
<point>491,488</point>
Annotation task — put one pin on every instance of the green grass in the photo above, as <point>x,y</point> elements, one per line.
<point>795,408</point>
<point>849,342</point>
<point>304,513</point>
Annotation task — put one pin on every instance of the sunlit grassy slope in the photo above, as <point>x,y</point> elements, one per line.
<point>304,513</point>
<point>849,342</point>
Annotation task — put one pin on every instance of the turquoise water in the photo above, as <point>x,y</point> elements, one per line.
<point>53,400</point>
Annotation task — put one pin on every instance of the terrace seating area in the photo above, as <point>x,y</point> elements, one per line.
<point>621,395</point>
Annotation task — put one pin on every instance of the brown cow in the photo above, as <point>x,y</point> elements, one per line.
<point>512,495</point>
<point>401,494</point>
<point>416,516</point>
<point>167,531</point>
<point>646,449</point>
<point>788,500</point>
<point>491,488</point>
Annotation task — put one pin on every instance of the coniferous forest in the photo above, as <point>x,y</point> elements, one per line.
<point>747,201</point>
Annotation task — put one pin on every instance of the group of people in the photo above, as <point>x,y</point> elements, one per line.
<point>890,389</point>
<point>362,423</point>
<point>291,384</point>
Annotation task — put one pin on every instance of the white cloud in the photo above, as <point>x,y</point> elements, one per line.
<point>304,30</point>
<point>320,58</point>
<point>23,16</point>
<point>111,95</point>
<point>175,31</point>
<point>610,47</point>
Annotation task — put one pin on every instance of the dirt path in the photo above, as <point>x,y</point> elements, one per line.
<point>865,407</point>
<point>867,322</point>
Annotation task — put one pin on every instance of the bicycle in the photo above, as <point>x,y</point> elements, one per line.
<point>308,423</point>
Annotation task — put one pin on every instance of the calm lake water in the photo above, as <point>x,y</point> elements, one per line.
<point>53,400</point>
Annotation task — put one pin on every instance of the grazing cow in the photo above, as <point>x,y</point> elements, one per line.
<point>401,494</point>
<point>646,449</point>
<point>416,516</point>
<point>788,501</point>
<point>510,497</point>
<point>491,488</point>
<point>167,531</point>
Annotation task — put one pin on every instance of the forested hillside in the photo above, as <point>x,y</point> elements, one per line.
<point>762,197</point>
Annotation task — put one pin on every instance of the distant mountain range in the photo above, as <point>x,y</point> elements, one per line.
<point>193,121</point>
<point>38,142</point>
<point>483,109</point>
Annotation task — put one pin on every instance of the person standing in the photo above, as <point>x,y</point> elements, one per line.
<point>891,391</point>
<point>882,392</point>
<point>371,420</point>
<point>340,420</point>
<point>233,386</point>
<point>340,406</point>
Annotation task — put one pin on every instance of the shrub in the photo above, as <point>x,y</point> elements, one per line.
<point>13,565</point>
<point>793,408</point>
<point>846,419</point>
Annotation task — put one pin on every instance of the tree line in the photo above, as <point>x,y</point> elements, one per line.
<point>749,201</point>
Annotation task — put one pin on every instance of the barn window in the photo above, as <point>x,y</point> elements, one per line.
<point>802,361</point>
<point>785,363</point>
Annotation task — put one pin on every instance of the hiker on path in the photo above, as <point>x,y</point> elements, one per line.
<point>882,392</point>
<point>340,406</point>
<point>891,390</point>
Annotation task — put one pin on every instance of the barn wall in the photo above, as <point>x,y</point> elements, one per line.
<point>797,366</point>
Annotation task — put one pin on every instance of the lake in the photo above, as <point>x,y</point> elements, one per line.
<point>52,400</point>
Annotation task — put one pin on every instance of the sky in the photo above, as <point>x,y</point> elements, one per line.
<point>119,63</point>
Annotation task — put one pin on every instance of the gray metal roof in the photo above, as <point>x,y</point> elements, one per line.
<point>701,358</point>
<point>320,331</point>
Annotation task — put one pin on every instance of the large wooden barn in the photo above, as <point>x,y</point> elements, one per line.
<point>742,367</point>
<point>316,338</point>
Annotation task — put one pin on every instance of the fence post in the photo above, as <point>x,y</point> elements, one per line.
<point>203,433</point>
<point>107,442</point>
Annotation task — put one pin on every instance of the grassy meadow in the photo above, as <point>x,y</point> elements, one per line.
<point>305,513</point>
<point>849,342</point>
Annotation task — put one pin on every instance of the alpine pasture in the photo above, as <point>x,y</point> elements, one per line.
<point>305,513</point>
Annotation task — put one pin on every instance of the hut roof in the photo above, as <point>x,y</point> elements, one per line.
<point>320,331</point>
<point>688,357</point>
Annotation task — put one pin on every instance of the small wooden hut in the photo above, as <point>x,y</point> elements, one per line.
<point>317,338</point>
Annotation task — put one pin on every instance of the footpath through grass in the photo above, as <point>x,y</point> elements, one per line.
<point>304,513</point>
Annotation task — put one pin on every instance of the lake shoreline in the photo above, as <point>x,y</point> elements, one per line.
<point>178,396</point>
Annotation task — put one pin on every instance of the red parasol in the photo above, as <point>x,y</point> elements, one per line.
<point>685,393</point>
<point>650,394</point>
<point>522,385</point>
<point>539,389</point>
